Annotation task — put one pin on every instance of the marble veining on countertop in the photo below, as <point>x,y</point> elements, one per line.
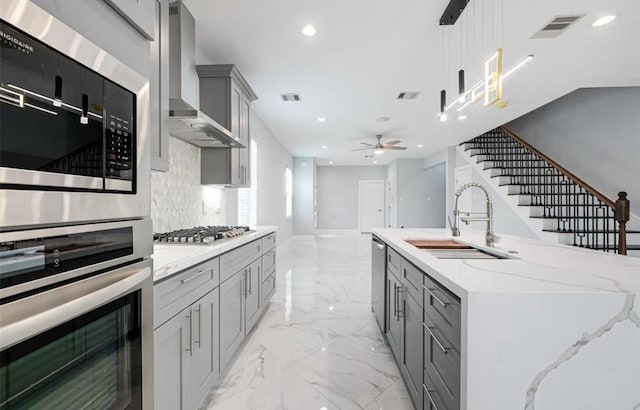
<point>169,259</point>
<point>537,266</point>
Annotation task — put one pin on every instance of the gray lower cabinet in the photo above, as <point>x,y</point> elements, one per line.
<point>394,321</point>
<point>232,316</point>
<point>411,365</point>
<point>252,295</point>
<point>172,364</point>
<point>186,355</point>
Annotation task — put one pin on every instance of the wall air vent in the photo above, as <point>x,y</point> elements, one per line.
<point>557,26</point>
<point>291,97</point>
<point>408,95</point>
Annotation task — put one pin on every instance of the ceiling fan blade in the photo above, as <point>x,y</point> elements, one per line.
<point>394,142</point>
<point>362,149</point>
<point>395,148</point>
<point>367,144</point>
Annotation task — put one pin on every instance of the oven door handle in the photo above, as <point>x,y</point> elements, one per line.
<point>38,313</point>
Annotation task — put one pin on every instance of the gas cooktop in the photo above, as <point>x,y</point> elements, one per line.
<point>200,234</point>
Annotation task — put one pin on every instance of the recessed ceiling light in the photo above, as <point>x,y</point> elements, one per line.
<point>382,119</point>
<point>322,119</point>
<point>462,117</point>
<point>378,152</point>
<point>419,145</point>
<point>330,162</point>
<point>324,147</point>
<point>604,20</point>
<point>375,162</point>
<point>309,30</point>
<point>443,117</point>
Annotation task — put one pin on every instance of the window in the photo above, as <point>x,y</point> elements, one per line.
<point>288,191</point>
<point>248,197</point>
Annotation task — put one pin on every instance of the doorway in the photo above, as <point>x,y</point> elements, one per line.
<point>371,194</point>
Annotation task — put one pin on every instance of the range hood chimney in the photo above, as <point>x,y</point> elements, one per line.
<point>185,120</point>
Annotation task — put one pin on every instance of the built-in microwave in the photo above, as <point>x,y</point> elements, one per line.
<point>73,125</point>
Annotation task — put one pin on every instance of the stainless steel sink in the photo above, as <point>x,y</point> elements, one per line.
<point>471,253</point>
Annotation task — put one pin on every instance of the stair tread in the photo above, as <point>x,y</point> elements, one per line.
<point>568,217</point>
<point>612,248</point>
<point>548,194</point>
<point>567,205</point>
<point>538,184</point>
<point>588,231</point>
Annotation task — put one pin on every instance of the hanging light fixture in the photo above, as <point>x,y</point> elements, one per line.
<point>443,105</point>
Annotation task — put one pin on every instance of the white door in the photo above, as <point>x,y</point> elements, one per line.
<point>463,176</point>
<point>371,205</point>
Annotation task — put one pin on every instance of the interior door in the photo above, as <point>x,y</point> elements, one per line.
<point>371,205</point>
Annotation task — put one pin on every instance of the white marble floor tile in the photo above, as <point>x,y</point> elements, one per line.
<point>318,345</point>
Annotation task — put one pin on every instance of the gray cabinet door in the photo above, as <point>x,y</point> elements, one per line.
<point>206,345</point>
<point>172,363</point>
<point>412,350</point>
<point>394,331</point>
<point>159,89</point>
<point>253,300</point>
<point>232,316</point>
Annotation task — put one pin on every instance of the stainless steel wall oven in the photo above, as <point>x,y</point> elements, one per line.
<point>76,326</point>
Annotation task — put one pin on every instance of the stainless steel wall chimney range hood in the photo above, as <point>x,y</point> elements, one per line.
<point>185,121</point>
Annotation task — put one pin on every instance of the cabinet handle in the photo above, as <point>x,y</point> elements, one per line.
<point>433,335</point>
<point>190,278</point>
<point>429,391</point>
<point>395,300</point>
<point>199,310</point>
<point>250,282</point>
<point>400,311</point>
<point>190,349</point>
<point>433,295</point>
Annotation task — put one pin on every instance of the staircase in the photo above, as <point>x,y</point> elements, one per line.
<point>567,207</point>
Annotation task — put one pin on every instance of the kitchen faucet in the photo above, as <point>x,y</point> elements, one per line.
<point>488,216</point>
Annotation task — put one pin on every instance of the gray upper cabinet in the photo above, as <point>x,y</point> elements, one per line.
<point>159,89</point>
<point>139,13</point>
<point>226,97</point>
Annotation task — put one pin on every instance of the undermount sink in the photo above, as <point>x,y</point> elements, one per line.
<point>450,249</point>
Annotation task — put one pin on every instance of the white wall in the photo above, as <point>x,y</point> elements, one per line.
<point>338,191</point>
<point>594,133</point>
<point>303,196</point>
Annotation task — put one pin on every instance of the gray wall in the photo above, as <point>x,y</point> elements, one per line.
<point>435,185</point>
<point>594,133</point>
<point>303,196</point>
<point>98,22</point>
<point>273,158</point>
<point>411,194</point>
<point>338,194</point>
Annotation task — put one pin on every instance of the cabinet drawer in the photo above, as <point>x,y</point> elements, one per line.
<point>233,261</point>
<point>432,396</point>
<point>269,260</point>
<point>394,261</point>
<point>441,361</point>
<point>269,241</point>
<point>269,286</point>
<point>444,310</point>
<point>412,280</point>
<point>179,291</point>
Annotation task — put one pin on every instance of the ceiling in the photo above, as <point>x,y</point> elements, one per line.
<point>367,51</point>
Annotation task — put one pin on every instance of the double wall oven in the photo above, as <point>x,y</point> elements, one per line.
<point>76,280</point>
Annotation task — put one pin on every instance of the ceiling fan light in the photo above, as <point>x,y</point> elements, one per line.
<point>378,151</point>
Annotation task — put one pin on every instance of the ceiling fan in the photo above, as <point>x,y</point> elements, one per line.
<point>380,147</point>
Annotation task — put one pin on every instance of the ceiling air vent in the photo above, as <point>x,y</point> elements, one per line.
<point>291,97</point>
<point>557,26</point>
<point>408,95</point>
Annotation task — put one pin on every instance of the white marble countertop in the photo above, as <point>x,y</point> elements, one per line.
<point>538,267</point>
<point>170,259</point>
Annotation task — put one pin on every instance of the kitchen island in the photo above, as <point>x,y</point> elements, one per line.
<point>548,327</point>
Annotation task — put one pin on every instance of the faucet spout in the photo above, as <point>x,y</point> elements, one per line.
<point>488,216</point>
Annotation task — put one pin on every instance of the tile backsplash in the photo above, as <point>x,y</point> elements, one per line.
<point>177,198</point>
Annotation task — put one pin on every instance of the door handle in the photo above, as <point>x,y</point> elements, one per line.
<point>199,310</point>
<point>429,391</point>
<point>190,348</point>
